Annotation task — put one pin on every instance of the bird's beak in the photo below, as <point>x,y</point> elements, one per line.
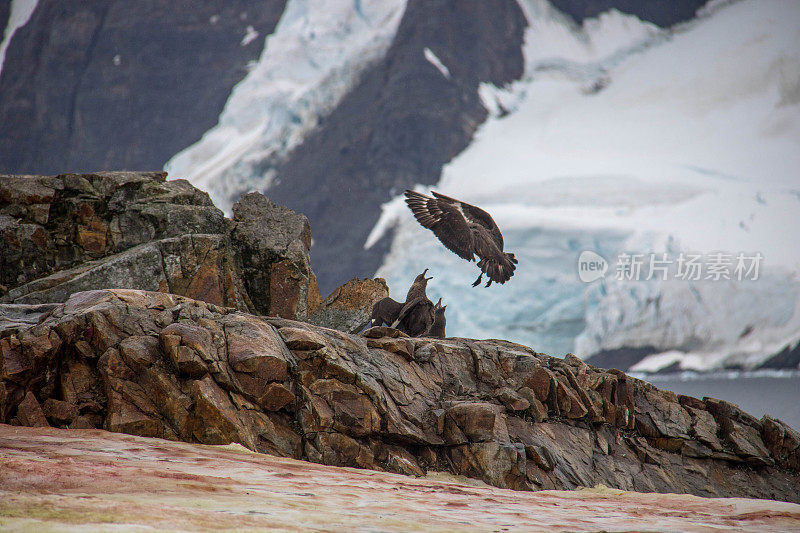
<point>425,272</point>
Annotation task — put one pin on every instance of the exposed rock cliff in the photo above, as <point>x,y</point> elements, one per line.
<point>161,365</point>
<point>73,232</point>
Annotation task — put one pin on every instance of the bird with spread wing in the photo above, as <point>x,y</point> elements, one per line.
<point>465,230</point>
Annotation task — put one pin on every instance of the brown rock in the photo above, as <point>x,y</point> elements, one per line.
<point>15,364</point>
<point>745,441</point>
<point>277,396</point>
<point>214,419</point>
<point>59,412</point>
<point>349,306</point>
<point>125,417</point>
<point>273,243</point>
<point>689,401</point>
<point>569,403</point>
<point>537,410</point>
<point>354,413</point>
<point>666,414</point>
<point>782,441</point>
<point>479,421</point>
<point>512,400</point>
<point>539,381</point>
<point>30,413</point>
<point>255,348</point>
<point>378,332</point>
<point>704,428</point>
<point>722,410</point>
<point>135,230</point>
<point>139,351</point>
<point>82,422</point>
<point>400,346</point>
<point>301,339</point>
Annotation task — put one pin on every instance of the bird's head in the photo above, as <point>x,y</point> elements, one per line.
<point>421,278</point>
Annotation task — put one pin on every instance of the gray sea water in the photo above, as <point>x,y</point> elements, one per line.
<point>774,393</point>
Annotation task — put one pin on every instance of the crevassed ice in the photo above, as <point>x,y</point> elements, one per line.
<point>625,137</point>
<point>311,60</point>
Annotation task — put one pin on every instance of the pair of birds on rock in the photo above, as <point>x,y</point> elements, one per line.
<point>417,316</point>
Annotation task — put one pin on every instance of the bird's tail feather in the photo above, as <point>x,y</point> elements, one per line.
<point>499,271</point>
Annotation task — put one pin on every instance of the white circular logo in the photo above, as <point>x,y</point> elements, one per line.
<point>591,266</point>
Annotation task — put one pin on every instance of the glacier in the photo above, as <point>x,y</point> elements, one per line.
<point>312,59</point>
<point>625,137</point>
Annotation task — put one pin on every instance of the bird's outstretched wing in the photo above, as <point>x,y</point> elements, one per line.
<point>447,221</point>
<point>474,214</point>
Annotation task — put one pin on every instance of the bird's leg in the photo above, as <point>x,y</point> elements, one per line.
<point>478,281</point>
<point>488,283</point>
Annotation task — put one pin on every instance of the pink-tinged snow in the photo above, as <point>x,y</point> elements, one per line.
<point>80,480</point>
<point>626,137</point>
<point>312,59</point>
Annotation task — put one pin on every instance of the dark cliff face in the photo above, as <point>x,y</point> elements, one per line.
<point>664,14</point>
<point>95,85</point>
<point>398,126</point>
<point>5,11</point>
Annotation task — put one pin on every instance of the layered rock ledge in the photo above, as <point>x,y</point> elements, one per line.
<point>161,365</point>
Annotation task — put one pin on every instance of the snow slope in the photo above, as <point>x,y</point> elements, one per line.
<point>625,137</point>
<point>314,56</point>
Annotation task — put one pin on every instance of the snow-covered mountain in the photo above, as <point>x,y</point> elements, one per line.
<point>582,125</point>
<point>622,137</point>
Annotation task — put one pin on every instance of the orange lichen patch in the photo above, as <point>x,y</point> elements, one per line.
<point>57,478</point>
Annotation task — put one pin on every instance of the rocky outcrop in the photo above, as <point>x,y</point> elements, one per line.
<point>54,479</point>
<point>161,365</point>
<point>349,307</point>
<point>74,232</point>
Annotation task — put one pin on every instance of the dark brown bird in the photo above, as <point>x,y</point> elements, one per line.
<point>439,322</point>
<point>465,230</point>
<point>385,311</point>
<point>417,314</point>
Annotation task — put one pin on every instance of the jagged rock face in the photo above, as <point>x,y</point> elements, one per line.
<point>76,232</point>
<point>273,244</point>
<point>117,84</point>
<point>160,365</point>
